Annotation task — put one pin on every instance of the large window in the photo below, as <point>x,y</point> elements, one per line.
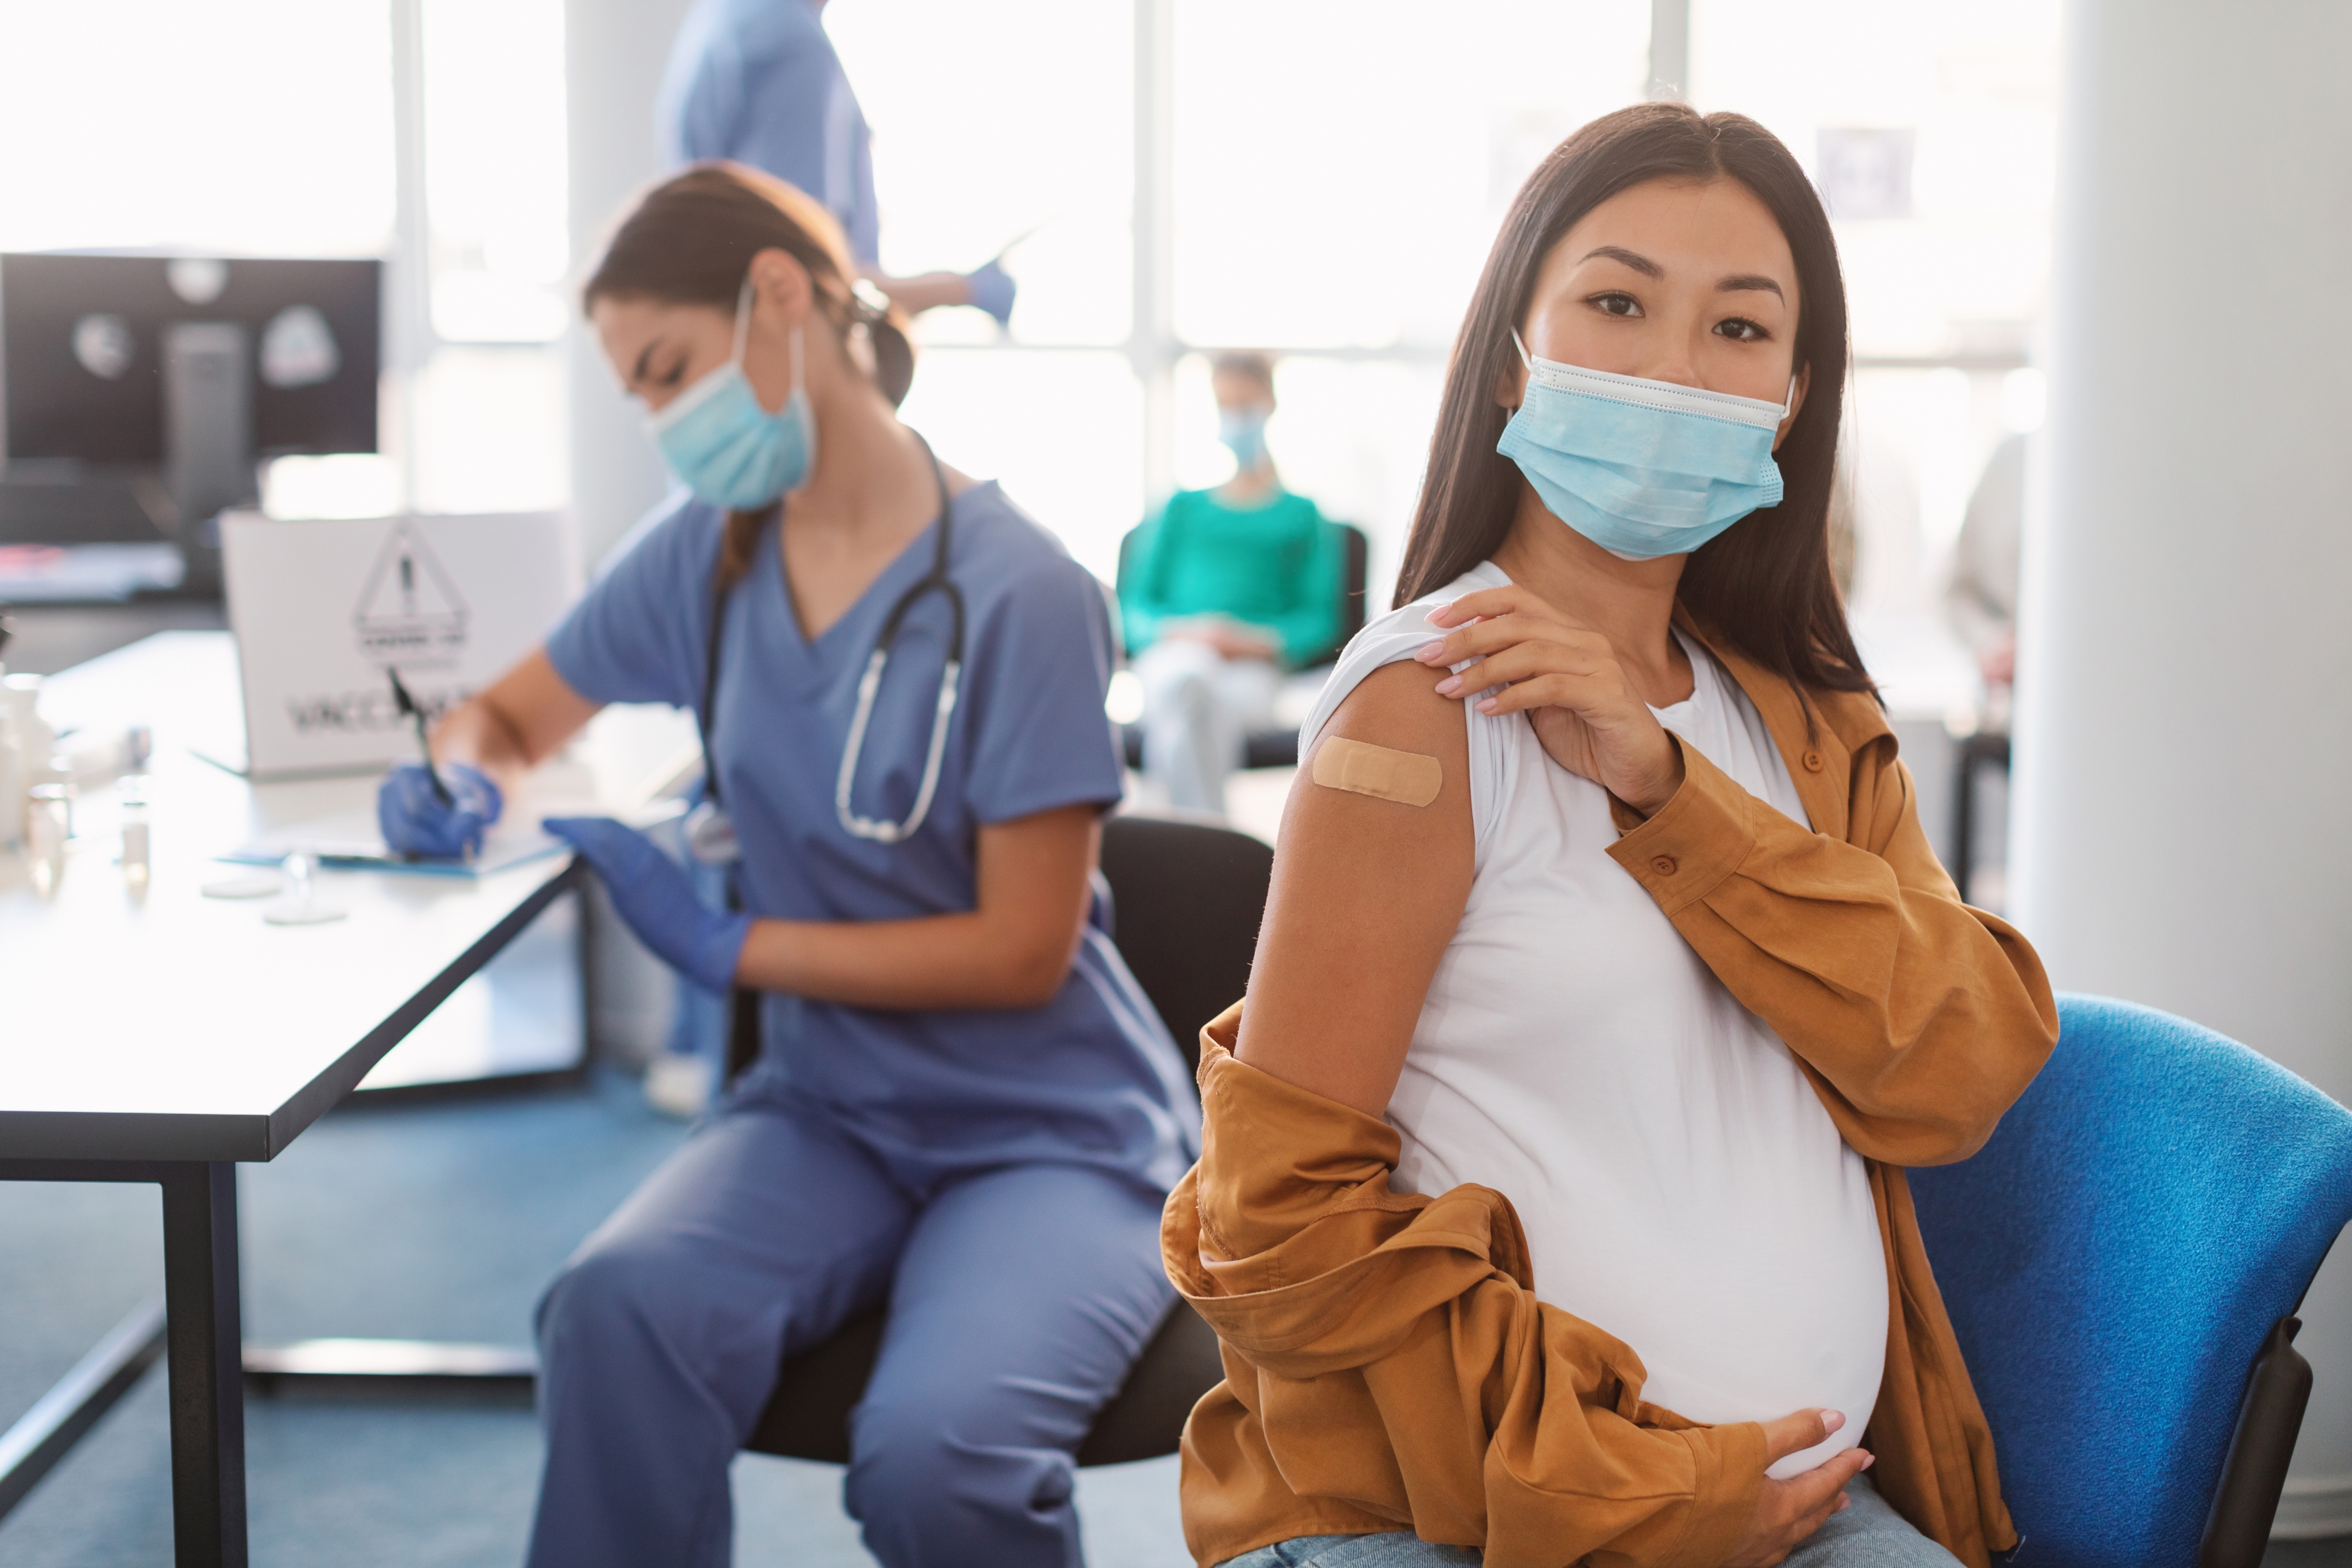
<point>1337,183</point>
<point>252,127</point>
<point>487,401</point>
<point>1173,177</point>
<point>491,91</point>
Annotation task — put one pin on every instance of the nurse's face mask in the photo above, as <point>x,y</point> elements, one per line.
<point>1641,468</point>
<point>727,448</point>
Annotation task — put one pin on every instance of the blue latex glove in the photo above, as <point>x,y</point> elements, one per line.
<point>415,820</point>
<point>656,897</point>
<point>991,289</point>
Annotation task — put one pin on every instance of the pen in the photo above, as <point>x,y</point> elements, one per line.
<point>408,705</point>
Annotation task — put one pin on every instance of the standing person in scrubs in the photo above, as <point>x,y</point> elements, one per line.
<point>758,82</point>
<point>963,1106</point>
<point>1224,591</point>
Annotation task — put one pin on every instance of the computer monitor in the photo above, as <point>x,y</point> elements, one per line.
<point>138,393</point>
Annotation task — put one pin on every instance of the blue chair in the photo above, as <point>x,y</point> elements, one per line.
<point>2122,1262</point>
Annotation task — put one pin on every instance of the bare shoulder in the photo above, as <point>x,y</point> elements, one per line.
<point>1397,705</point>
<point>1397,710</point>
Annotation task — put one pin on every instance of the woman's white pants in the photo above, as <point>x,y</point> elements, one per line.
<point>1199,707</point>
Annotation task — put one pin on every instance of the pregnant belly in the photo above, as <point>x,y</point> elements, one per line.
<point>1680,1184</point>
<point>1751,1279</point>
<point>1746,1303</point>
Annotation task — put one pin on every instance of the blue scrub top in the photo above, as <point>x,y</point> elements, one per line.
<point>1092,1077</point>
<point>758,81</point>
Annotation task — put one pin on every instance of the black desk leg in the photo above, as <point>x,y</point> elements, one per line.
<point>205,1350</point>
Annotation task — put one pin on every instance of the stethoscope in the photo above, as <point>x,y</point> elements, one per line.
<point>711,831</point>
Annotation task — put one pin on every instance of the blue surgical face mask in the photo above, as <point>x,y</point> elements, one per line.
<point>1244,431</point>
<point>1641,468</point>
<point>729,451</point>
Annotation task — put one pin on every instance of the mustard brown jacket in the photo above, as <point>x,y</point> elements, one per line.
<point>1389,1364</point>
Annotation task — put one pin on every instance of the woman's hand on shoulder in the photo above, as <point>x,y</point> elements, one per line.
<point>1566,678</point>
<point>1367,891</point>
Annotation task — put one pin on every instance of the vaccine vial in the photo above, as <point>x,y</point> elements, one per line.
<point>48,823</point>
<point>138,755</point>
<point>134,840</point>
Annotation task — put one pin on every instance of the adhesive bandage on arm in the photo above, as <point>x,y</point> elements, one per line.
<point>1406,777</point>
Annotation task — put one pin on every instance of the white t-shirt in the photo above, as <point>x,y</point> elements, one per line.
<point>1681,1184</point>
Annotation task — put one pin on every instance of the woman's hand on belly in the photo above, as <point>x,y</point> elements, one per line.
<point>1567,678</point>
<point>1787,1512</point>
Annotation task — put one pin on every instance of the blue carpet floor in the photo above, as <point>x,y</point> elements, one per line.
<point>417,1221</point>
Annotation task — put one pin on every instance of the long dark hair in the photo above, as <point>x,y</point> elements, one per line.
<point>1765,585</point>
<point>691,241</point>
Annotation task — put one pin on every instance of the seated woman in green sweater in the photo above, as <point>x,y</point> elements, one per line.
<point>1221,593</point>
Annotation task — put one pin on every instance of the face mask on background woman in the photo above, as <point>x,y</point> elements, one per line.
<point>1641,468</point>
<point>1242,430</point>
<point>727,448</point>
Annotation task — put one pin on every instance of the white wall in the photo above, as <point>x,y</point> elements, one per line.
<point>613,54</point>
<point>2184,832</point>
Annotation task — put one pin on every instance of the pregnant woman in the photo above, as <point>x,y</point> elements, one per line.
<point>1551,1205</point>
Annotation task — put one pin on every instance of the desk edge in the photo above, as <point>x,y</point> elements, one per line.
<point>327,1090</point>
<point>97,1137</point>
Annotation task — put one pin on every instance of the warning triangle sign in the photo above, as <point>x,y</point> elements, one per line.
<point>410,612</point>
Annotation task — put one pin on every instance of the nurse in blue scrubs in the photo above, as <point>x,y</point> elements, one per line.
<point>963,1105</point>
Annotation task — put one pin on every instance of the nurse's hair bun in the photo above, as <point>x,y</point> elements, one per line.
<point>691,239</point>
<point>870,312</point>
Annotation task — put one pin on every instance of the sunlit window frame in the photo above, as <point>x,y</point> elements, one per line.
<point>1154,347</point>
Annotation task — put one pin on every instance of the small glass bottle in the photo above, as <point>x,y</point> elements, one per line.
<point>12,787</point>
<point>48,823</point>
<point>131,795</point>
<point>138,755</point>
<point>134,839</point>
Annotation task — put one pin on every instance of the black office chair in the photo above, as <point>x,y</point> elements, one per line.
<point>1971,756</point>
<point>1186,899</point>
<point>1275,747</point>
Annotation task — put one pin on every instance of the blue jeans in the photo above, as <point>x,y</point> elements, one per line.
<point>1018,1297</point>
<point>1870,1535</point>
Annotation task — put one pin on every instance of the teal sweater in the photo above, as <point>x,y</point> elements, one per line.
<point>1277,566</point>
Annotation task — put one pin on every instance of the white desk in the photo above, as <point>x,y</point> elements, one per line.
<point>161,1039</point>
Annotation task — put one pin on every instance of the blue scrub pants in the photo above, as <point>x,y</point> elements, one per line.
<point>1019,1296</point>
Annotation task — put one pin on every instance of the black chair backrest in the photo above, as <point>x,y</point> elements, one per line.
<point>1354,584</point>
<point>1186,899</point>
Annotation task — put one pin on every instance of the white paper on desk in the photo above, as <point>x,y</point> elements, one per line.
<point>323,607</point>
<point>349,838</point>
